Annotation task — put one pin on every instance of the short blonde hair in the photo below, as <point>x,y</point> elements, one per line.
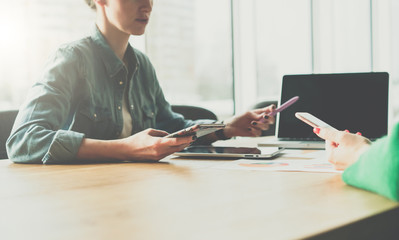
<point>91,4</point>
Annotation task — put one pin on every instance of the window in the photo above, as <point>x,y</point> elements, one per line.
<point>189,43</point>
<point>392,57</point>
<point>192,45</point>
<point>31,31</point>
<point>283,43</point>
<point>342,36</point>
<point>327,36</point>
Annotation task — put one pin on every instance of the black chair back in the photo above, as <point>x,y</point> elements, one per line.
<point>193,112</point>
<point>7,119</point>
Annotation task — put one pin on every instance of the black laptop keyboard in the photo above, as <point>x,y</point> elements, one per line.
<point>312,139</point>
<point>301,139</point>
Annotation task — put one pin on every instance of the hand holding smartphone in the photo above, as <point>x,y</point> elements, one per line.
<point>282,107</point>
<point>198,130</point>
<point>311,120</point>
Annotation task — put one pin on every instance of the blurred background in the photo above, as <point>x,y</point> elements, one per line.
<point>224,55</point>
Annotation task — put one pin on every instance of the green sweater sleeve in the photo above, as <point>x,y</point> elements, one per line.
<point>377,169</point>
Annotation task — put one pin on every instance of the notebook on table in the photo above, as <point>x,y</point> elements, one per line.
<point>357,102</point>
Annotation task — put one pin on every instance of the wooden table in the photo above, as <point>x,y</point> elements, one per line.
<point>184,199</point>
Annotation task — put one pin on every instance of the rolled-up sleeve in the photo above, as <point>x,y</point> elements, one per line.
<point>37,135</point>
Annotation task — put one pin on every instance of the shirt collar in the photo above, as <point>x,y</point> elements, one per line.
<point>111,62</point>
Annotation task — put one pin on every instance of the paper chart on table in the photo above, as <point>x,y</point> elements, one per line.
<point>280,165</point>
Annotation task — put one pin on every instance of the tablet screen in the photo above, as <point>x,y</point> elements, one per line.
<point>229,152</point>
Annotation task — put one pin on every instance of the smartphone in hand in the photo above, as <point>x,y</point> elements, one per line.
<point>198,130</point>
<point>311,120</point>
<point>281,107</point>
<point>284,106</point>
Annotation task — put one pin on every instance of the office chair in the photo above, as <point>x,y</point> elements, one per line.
<point>193,112</point>
<point>7,119</point>
<point>272,129</point>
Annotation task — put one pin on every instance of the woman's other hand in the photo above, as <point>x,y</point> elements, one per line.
<point>343,148</point>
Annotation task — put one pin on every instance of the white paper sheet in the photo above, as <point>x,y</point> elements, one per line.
<point>293,160</point>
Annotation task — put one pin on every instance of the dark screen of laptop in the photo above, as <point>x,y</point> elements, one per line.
<point>357,102</point>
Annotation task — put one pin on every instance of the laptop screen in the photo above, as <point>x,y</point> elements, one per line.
<point>354,101</point>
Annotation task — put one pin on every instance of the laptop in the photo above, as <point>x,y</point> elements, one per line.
<point>357,102</point>
<point>229,152</point>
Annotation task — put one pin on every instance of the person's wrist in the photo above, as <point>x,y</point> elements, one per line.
<point>123,149</point>
<point>220,134</point>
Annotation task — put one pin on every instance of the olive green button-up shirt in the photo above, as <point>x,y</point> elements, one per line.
<point>80,95</point>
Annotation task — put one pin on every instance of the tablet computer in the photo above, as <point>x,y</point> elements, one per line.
<point>198,130</point>
<point>229,152</point>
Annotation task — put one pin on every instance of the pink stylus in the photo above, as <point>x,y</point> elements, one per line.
<point>282,107</point>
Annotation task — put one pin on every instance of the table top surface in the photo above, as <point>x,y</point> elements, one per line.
<point>175,199</point>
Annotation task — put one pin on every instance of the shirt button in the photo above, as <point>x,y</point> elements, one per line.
<point>121,83</point>
<point>152,114</point>
<point>131,107</point>
<point>119,107</point>
<point>95,115</point>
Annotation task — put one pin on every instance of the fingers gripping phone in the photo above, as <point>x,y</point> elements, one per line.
<point>198,130</point>
<point>284,106</point>
<point>311,120</point>
<point>281,108</point>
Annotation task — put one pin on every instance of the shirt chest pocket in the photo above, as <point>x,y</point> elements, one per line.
<point>149,117</point>
<point>96,123</point>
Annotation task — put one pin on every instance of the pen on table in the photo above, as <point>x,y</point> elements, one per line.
<point>281,108</point>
